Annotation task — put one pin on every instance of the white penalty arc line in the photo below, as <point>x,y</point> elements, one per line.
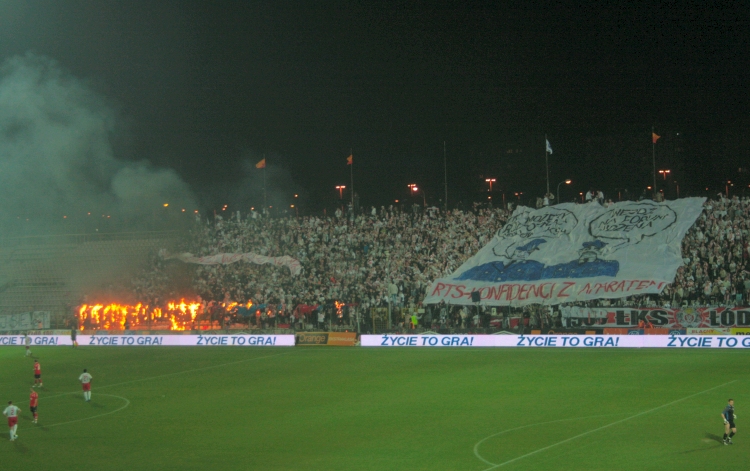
<point>127,403</point>
<point>494,466</point>
<point>479,443</point>
<point>172,374</point>
<point>193,370</point>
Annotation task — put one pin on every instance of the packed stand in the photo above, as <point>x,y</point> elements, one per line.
<point>343,259</point>
<point>377,257</point>
<point>391,256</point>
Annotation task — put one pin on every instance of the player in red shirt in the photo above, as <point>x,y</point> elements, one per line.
<point>37,374</point>
<point>33,402</point>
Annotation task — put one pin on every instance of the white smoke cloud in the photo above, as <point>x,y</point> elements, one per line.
<point>56,155</point>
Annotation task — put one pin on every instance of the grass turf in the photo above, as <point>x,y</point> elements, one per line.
<point>165,408</point>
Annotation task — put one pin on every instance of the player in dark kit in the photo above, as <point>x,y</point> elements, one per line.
<point>728,416</point>
<point>37,374</point>
<point>33,403</point>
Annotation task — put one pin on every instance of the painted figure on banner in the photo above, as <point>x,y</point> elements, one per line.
<point>525,233</point>
<point>587,265</point>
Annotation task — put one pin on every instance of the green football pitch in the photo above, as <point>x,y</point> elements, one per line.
<point>329,408</point>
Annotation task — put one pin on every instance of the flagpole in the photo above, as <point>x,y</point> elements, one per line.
<point>653,158</point>
<point>546,160</point>
<point>445,173</point>
<point>265,203</point>
<point>351,176</point>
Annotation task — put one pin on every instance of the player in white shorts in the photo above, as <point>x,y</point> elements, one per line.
<point>85,380</point>
<point>11,412</point>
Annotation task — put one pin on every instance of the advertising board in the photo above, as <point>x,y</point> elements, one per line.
<point>156,340</point>
<point>341,339</point>
<point>708,331</point>
<point>557,341</point>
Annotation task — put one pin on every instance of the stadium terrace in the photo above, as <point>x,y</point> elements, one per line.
<point>372,271</point>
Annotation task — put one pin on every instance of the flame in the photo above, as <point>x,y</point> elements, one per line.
<point>177,316</point>
<point>174,315</point>
<point>339,307</point>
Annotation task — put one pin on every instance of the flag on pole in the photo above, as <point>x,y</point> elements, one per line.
<point>549,147</point>
<point>654,137</point>
<point>261,164</point>
<point>349,159</point>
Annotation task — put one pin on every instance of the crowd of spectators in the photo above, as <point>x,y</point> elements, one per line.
<point>376,258</point>
<point>390,256</point>
<point>715,257</point>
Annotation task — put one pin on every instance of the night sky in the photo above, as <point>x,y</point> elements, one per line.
<point>207,88</point>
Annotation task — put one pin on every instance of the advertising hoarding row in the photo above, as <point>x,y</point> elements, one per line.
<point>558,341</point>
<point>156,340</point>
<point>696,339</point>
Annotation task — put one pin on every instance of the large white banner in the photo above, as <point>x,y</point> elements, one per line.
<point>226,258</point>
<point>571,252</point>
<point>156,340</point>
<point>25,321</point>
<point>680,318</point>
<point>557,341</point>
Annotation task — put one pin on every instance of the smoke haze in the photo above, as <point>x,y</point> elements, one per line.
<point>57,158</point>
<point>245,190</point>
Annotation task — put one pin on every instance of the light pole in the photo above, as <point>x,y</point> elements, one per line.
<point>414,189</point>
<point>341,189</point>
<point>729,183</point>
<point>664,173</point>
<point>567,182</point>
<point>490,181</point>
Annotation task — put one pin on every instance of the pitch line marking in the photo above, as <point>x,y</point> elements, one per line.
<point>127,403</point>
<point>146,379</point>
<point>479,443</point>
<point>193,370</point>
<point>494,466</point>
<point>171,374</point>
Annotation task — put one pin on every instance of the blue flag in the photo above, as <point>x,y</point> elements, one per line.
<point>549,148</point>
